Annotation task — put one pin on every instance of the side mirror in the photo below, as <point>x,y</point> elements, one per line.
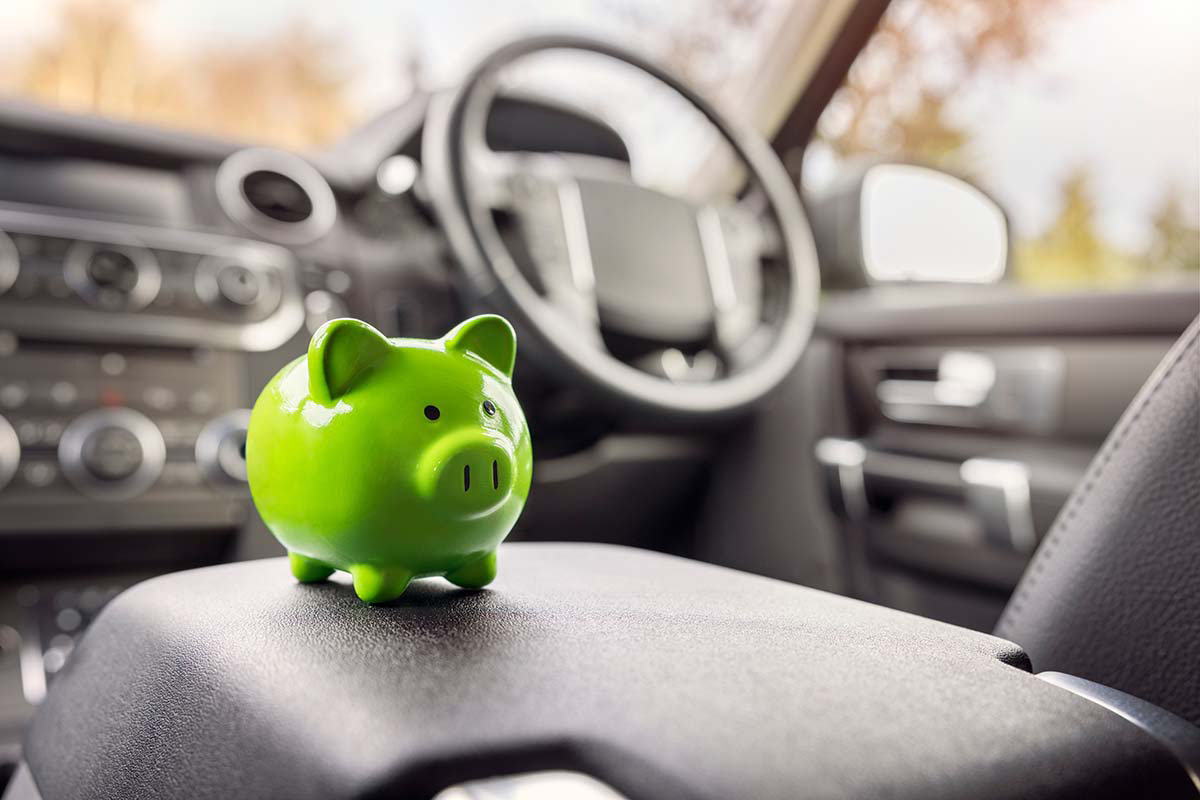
<point>889,223</point>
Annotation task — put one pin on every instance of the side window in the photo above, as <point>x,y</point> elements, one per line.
<point>1081,118</point>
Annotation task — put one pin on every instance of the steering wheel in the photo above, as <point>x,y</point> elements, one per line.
<point>720,296</point>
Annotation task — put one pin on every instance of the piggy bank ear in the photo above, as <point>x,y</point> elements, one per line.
<point>489,337</point>
<point>340,352</point>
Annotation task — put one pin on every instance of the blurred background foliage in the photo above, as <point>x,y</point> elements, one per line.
<point>292,88</point>
<point>289,89</point>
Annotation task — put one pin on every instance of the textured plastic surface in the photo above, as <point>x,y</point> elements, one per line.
<point>661,677</point>
<point>392,458</point>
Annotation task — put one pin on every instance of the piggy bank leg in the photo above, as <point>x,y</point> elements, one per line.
<point>376,585</point>
<point>475,575</point>
<point>308,570</point>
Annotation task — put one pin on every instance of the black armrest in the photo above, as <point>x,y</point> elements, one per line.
<point>660,676</point>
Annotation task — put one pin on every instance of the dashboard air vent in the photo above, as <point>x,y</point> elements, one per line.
<point>276,195</point>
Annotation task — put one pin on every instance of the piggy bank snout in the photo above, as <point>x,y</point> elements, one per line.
<point>467,473</point>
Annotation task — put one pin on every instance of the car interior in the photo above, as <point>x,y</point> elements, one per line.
<point>848,480</point>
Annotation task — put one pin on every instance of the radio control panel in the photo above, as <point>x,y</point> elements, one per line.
<point>99,281</point>
<point>124,358</point>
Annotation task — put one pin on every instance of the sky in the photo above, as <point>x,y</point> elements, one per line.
<point>1115,88</point>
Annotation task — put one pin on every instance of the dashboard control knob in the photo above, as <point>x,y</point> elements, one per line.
<point>115,277</point>
<point>238,281</point>
<point>238,286</point>
<point>10,452</point>
<point>112,271</point>
<point>221,448</point>
<point>112,453</point>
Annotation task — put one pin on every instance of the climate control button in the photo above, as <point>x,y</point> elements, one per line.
<point>112,453</point>
<point>111,271</point>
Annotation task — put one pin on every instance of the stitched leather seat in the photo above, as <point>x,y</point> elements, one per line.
<point>1113,593</point>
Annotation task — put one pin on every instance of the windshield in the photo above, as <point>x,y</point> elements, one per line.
<point>302,74</point>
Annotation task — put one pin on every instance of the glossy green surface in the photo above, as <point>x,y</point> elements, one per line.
<point>350,472</point>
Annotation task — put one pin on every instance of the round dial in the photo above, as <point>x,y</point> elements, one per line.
<point>115,277</point>
<point>112,453</point>
<point>239,282</point>
<point>238,286</point>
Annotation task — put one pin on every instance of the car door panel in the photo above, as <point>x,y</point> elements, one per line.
<point>926,533</point>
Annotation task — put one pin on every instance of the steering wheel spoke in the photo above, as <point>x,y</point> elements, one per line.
<point>730,236</point>
<point>542,198</point>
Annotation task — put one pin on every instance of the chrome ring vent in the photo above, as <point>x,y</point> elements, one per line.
<point>276,195</point>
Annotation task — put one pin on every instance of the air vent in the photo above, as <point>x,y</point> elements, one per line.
<point>276,195</point>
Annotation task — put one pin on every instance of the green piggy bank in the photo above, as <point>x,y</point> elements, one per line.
<point>393,459</point>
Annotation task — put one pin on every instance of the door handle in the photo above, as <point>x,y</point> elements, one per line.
<point>964,380</point>
<point>995,490</point>
<point>1018,388</point>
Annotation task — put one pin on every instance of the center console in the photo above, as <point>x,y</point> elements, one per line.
<point>655,676</point>
<point>122,385</point>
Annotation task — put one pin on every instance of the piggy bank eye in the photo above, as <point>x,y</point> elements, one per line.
<point>432,413</point>
<point>489,408</point>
